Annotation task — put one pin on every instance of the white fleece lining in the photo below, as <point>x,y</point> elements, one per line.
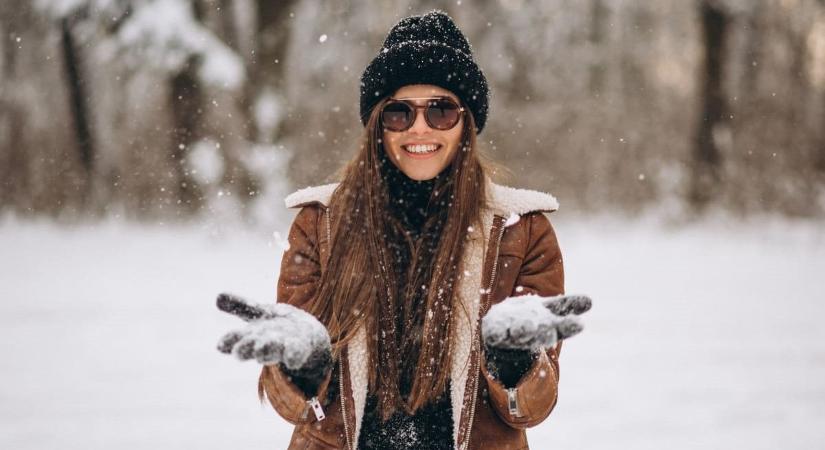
<point>358,363</point>
<point>468,299</point>
<point>504,200</point>
<point>321,194</point>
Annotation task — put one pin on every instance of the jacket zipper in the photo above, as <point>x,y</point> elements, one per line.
<point>341,395</point>
<point>512,402</point>
<point>316,407</point>
<point>329,232</point>
<point>478,354</point>
<point>340,360</point>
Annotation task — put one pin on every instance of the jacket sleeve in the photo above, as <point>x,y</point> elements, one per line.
<point>541,273</point>
<point>297,285</point>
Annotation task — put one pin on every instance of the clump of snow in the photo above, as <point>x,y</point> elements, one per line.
<point>285,334</point>
<point>512,219</point>
<point>205,162</point>
<point>269,164</point>
<point>281,241</point>
<point>166,33</point>
<point>269,111</point>
<point>59,9</point>
<point>522,322</point>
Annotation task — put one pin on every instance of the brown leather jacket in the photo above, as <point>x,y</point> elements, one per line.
<point>515,253</point>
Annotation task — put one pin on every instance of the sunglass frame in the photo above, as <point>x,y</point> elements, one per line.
<point>407,101</point>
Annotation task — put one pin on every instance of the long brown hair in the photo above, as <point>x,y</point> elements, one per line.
<point>359,286</point>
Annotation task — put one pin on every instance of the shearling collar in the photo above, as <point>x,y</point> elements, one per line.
<point>502,200</point>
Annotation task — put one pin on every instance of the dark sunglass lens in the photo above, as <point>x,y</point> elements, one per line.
<point>442,114</point>
<point>396,116</point>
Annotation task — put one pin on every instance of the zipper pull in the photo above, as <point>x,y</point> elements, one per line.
<point>512,402</point>
<point>316,408</point>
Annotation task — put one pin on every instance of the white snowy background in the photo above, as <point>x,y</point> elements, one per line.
<point>702,336</point>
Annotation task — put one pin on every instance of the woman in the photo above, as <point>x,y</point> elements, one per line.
<point>391,329</point>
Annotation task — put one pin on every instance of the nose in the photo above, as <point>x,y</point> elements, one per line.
<point>420,124</point>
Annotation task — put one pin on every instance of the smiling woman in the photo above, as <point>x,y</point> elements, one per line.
<point>402,263</point>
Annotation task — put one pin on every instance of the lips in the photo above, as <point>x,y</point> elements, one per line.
<point>421,149</point>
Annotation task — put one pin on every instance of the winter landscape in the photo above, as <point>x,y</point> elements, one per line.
<point>146,147</point>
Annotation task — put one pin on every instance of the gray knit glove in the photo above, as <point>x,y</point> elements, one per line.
<point>279,334</point>
<point>516,329</point>
<point>532,322</point>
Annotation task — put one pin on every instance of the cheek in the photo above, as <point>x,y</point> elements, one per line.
<point>455,143</point>
<point>391,145</point>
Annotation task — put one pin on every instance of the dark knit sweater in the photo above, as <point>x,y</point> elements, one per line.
<point>430,427</point>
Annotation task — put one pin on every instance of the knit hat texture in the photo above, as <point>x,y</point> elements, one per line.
<point>426,49</point>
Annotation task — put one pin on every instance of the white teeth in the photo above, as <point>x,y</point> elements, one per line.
<point>421,148</point>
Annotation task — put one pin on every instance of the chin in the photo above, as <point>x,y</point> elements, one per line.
<point>419,175</point>
<point>421,170</point>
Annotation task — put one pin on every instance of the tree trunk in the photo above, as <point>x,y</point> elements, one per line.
<point>753,49</point>
<point>707,157</point>
<point>267,68</point>
<point>819,161</point>
<point>186,103</point>
<point>597,71</point>
<point>78,102</point>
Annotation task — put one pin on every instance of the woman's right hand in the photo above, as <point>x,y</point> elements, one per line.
<point>276,334</point>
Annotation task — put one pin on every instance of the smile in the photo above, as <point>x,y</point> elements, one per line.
<point>421,150</point>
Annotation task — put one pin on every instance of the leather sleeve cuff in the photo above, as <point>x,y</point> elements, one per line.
<point>509,365</point>
<point>309,378</point>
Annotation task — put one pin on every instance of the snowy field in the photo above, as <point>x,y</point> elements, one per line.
<point>706,336</point>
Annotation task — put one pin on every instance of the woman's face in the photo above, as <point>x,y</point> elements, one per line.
<point>423,164</point>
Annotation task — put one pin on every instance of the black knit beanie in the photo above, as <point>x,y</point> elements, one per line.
<point>426,49</point>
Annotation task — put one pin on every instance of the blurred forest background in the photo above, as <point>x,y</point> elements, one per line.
<point>167,109</point>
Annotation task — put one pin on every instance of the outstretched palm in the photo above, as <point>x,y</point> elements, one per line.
<point>275,334</point>
<point>530,322</point>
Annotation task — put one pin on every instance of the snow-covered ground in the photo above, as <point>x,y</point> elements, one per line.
<point>708,336</point>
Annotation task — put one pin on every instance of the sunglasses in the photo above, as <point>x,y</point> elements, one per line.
<point>440,113</point>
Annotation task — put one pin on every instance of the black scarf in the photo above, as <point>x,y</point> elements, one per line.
<point>431,426</point>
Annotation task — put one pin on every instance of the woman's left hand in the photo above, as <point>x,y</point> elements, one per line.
<point>531,322</point>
